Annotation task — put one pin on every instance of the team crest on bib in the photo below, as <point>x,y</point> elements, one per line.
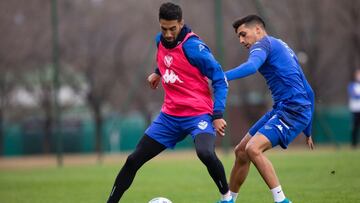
<point>168,60</point>
<point>202,125</point>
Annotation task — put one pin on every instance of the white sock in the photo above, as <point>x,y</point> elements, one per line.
<point>226,197</point>
<point>234,195</point>
<point>278,194</point>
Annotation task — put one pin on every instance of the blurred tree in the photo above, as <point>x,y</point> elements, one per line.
<point>350,18</point>
<point>23,41</point>
<point>39,83</point>
<point>89,44</point>
<point>7,83</point>
<point>308,32</point>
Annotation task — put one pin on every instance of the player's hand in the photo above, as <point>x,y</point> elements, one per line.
<point>310,142</point>
<point>220,125</point>
<point>154,80</point>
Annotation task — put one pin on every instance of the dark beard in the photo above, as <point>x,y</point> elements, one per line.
<point>170,45</point>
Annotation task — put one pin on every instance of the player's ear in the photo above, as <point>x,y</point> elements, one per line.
<point>257,29</point>
<point>182,23</point>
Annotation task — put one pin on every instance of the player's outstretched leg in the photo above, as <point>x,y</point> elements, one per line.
<point>240,168</point>
<point>146,149</point>
<point>205,149</point>
<point>255,148</point>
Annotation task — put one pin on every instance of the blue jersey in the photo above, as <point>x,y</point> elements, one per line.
<point>278,64</point>
<point>354,96</point>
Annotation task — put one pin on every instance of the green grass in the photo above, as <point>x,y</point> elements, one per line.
<point>306,177</point>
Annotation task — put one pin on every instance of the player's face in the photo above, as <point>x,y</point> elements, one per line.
<point>248,35</point>
<point>170,29</point>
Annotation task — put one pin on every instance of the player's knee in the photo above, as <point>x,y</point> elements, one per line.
<point>252,151</point>
<point>240,154</point>
<point>205,154</point>
<point>239,150</point>
<point>131,161</point>
<point>242,157</point>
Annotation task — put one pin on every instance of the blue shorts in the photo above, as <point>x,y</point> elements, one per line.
<point>169,130</point>
<point>283,124</point>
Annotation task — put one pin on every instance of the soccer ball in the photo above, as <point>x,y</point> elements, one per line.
<point>160,200</point>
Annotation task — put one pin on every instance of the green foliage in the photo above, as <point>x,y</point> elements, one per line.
<point>320,176</point>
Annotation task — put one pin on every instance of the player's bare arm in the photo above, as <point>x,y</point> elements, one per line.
<point>154,80</point>
<point>220,125</point>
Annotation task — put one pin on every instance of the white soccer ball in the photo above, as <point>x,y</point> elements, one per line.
<point>160,200</point>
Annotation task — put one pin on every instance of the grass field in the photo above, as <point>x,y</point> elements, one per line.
<point>321,176</point>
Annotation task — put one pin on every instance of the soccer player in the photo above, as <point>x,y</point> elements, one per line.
<point>292,109</point>
<point>354,106</point>
<point>185,64</point>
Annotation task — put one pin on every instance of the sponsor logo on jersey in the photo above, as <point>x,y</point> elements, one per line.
<point>201,47</point>
<point>171,77</point>
<point>284,124</point>
<point>279,127</point>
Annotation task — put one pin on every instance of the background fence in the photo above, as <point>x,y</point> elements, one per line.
<point>331,127</point>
